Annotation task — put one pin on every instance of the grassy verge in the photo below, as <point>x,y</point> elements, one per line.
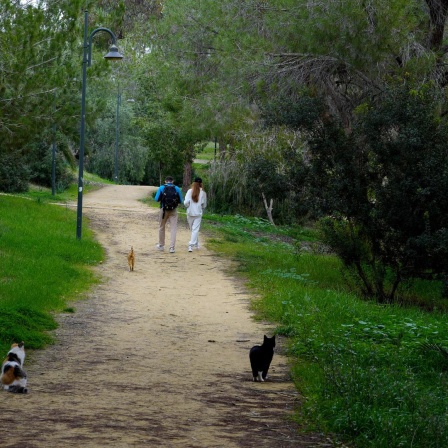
<point>375,375</point>
<point>43,267</point>
<point>43,194</point>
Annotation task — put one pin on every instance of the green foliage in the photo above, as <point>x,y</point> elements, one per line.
<point>44,194</point>
<point>262,163</point>
<point>14,175</point>
<point>169,127</point>
<point>243,229</point>
<point>41,83</point>
<point>378,383</point>
<point>302,111</point>
<point>103,148</point>
<point>43,267</point>
<point>40,166</point>
<point>383,190</point>
<point>199,71</point>
<point>371,375</point>
<point>188,80</point>
<point>345,30</point>
<point>38,39</point>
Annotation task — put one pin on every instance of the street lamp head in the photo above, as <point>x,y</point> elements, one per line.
<point>114,54</point>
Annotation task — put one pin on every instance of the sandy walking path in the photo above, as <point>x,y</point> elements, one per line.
<point>157,357</point>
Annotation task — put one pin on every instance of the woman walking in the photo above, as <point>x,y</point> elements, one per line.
<point>195,201</point>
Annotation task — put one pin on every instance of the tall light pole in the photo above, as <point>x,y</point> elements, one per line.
<point>87,60</point>
<point>53,161</point>
<point>117,134</point>
<point>53,151</point>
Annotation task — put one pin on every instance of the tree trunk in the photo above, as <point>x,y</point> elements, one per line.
<point>368,289</point>
<point>222,146</point>
<point>394,288</point>
<point>268,209</point>
<point>188,167</point>
<point>438,12</point>
<point>187,176</point>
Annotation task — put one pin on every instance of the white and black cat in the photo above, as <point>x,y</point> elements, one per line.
<point>260,358</point>
<point>13,376</point>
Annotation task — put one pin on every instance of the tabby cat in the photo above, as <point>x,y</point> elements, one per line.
<point>131,259</point>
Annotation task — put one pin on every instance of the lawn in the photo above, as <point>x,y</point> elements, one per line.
<point>43,267</point>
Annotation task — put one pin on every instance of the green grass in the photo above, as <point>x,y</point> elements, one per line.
<point>150,202</point>
<point>43,194</point>
<point>374,375</point>
<point>43,267</point>
<point>208,153</point>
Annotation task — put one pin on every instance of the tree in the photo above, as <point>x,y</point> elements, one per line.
<point>167,111</point>
<point>383,190</point>
<point>194,40</point>
<point>131,17</point>
<point>101,141</point>
<point>38,40</point>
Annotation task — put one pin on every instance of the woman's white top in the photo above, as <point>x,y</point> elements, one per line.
<point>195,208</point>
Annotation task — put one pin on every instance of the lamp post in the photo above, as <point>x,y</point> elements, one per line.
<point>117,134</point>
<point>87,60</point>
<point>117,131</point>
<point>53,162</point>
<point>53,149</point>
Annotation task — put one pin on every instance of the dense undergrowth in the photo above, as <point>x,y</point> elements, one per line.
<point>375,375</point>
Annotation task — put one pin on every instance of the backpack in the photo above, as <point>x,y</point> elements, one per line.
<point>170,198</point>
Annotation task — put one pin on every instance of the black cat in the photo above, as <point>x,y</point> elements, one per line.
<point>260,358</point>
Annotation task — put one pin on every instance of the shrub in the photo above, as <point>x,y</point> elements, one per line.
<point>14,174</point>
<point>41,169</point>
<point>383,189</point>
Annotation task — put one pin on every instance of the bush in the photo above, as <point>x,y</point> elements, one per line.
<point>41,169</point>
<point>383,187</point>
<point>14,173</point>
<point>266,164</point>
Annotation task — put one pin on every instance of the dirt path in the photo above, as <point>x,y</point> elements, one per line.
<point>157,357</point>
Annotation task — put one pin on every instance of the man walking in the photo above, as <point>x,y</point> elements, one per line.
<point>169,196</point>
